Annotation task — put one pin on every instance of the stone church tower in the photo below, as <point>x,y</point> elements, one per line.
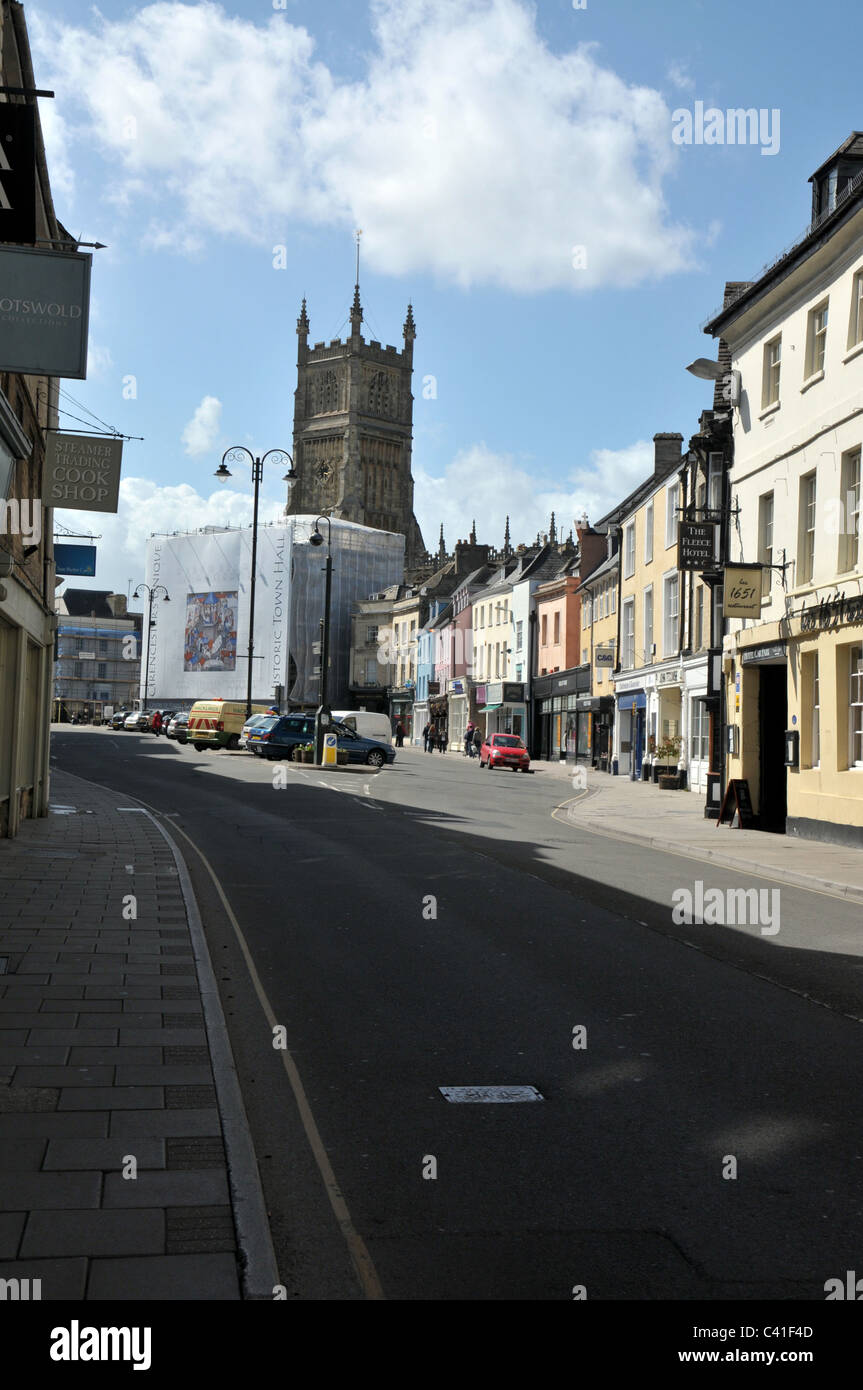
<point>353,418</point>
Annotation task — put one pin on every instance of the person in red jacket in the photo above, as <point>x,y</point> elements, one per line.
<point>157,723</point>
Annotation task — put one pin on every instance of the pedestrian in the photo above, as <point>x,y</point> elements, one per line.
<point>442,738</point>
<point>468,739</point>
<point>157,723</point>
<point>477,740</point>
<point>400,734</point>
<point>426,728</point>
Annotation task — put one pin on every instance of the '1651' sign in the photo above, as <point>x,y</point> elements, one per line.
<point>831,612</point>
<point>742,591</point>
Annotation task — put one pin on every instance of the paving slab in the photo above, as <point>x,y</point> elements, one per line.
<point>107,1053</point>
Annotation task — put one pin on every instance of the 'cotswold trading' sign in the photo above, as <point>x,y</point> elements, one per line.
<point>82,472</point>
<point>44,311</point>
<point>742,591</point>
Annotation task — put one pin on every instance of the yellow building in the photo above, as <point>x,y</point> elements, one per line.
<point>599,648</point>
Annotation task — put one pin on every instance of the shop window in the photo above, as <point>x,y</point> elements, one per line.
<point>811,710</point>
<point>699,739</point>
<point>855,703</point>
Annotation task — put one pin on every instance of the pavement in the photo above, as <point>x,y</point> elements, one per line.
<point>126,1167</point>
<point>674,821</point>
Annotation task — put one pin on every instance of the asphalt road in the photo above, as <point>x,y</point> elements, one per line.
<point>434,926</point>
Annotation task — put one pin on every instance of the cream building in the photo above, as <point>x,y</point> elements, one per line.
<point>664,623</point>
<point>796,338</point>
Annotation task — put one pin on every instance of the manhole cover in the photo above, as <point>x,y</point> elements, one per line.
<point>490,1095</point>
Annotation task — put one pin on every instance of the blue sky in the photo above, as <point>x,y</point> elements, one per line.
<point>477,143</point>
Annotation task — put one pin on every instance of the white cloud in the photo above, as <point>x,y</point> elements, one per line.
<point>680,78</point>
<point>505,487</point>
<point>468,149</point>
<point>145,508</point>
<point>202,431</point>
<point>99,360</point>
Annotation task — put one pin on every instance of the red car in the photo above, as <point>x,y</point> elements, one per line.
<point>504,750</point>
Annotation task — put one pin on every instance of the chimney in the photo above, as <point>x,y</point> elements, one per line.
<point>666,452</point>
<point>733,290</point>
<point>117,605</point>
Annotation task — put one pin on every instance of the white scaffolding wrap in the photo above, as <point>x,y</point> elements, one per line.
<point>199,640</point>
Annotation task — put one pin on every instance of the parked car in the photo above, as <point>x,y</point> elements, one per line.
<point>178,726</point>
<point>118,718</point>
<point>504,750</point>
<point>251,724</point>
<point>138,720</point>
<point>218,723</point>
<point>278,737</point>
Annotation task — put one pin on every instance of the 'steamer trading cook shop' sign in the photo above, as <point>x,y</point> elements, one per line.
<point>82,472</point>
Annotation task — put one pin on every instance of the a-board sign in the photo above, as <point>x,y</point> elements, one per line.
<point>737,802</point>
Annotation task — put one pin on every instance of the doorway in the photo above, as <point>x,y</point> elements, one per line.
<point>772,718</point>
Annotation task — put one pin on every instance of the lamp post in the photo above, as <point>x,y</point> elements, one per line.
<point>152,592</point>
<point>322,715</point>
<point>235,454</point>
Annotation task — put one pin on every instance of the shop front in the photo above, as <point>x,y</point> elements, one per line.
<point>402,710</point>
<point>596,718</point>
<point>504,708</point>
<point>629,734</point>
<point>438,715</point>
<point>558,732</point>
<point>459,709</point>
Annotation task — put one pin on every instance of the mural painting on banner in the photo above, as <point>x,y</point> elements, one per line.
<point>210,642</point>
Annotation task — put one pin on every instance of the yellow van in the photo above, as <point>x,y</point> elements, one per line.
<point>218,723</point>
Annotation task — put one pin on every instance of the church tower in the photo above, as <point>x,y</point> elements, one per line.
<point>353,422</point>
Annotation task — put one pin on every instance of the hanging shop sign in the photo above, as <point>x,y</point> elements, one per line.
<point>44,311</point>
<point>601,658</point>
<point>82,472</point>
<point>513,693</point>
<point>696,545</point>
<point>17,173</point>
<point>75,559</point>
<point>742,591</point>
<point>836,611</point>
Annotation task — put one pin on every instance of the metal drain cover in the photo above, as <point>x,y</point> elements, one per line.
<point>490,1095</point>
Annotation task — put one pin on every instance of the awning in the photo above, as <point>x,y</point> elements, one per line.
<point>487,709</point>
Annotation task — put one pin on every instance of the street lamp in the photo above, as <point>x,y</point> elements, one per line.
<point>235,454</point>
<point>152,593</point>
<point>322,716</point>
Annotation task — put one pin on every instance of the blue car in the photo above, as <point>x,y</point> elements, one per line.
<point>280,736</point>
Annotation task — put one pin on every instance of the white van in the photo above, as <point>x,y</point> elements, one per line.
<point>365,724</point>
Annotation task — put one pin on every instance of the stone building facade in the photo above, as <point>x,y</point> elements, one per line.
<point>353,422</point>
